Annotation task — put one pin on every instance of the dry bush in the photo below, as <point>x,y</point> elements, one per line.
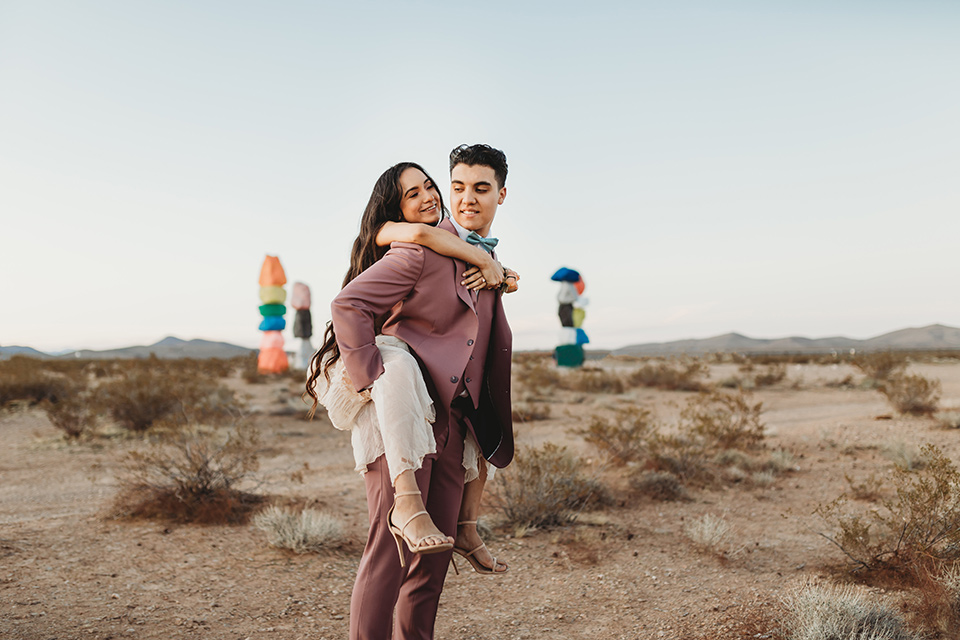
<point>880,365</point>
<point>143,397</point>
<point>303,532</point>
<point>624,439</point>
<point>904,455</point>
<point>683,375</point>
<point>659,485</point>
<point>935,603</point>
<point>729,421</point>
<point>192,478</point>
<point>840,613</point>
<point>530,411</point>
<point>920,525</point>
<point>33,381</point>
<point>592,380</point>
<point>711,533</point>
<point>773,374</point>
<point>912,394</point>
<point>250,370</point>
<point>845,383</point>
<point>544,487</point>
<point>869,489</point>
<point>75,413</point>
<point>948,419</point>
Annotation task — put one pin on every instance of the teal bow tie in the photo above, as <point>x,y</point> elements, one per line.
<point>487,244</point>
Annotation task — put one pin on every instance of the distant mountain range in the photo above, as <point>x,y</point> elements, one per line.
<point>933,337</point>
<point>168,348</point>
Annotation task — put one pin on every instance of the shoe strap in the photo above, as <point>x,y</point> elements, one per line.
<point>411,519</point>
<point>406,493</point>
<point>466,522</point>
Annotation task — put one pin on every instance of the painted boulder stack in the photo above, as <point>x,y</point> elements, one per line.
<point>302,324</point>
<point>572,313</point>
<point>272,358</point>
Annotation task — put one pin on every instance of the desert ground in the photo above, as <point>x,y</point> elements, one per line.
<point>70,570</point>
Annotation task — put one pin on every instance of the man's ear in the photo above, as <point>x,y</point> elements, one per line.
<point>503,194</point>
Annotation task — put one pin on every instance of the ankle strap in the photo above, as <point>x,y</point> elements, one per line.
<point>466,522</point>
<point>406,493</point>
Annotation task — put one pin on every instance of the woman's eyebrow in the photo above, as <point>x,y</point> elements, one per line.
<point>407,192</point>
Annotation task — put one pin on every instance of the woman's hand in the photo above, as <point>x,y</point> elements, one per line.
<point>512,279</point>
<point>486,275</point>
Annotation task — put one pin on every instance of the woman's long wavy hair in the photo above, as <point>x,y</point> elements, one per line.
<point>383,207</point>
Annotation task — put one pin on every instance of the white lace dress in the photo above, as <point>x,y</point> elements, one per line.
<point>394,417</point>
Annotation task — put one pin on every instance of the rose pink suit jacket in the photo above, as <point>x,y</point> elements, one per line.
<point>434,314</point>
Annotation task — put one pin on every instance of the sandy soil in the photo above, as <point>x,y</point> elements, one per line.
<point>68,571</point>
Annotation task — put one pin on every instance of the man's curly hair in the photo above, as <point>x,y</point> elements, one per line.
<point>483,155</point>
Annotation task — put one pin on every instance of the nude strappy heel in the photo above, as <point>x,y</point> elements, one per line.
<point>482,569</point>
<point>417,546</point>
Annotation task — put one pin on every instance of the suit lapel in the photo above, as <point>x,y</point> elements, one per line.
<point>459,268</point>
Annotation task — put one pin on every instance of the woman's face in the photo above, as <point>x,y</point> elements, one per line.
<point>419,199</point>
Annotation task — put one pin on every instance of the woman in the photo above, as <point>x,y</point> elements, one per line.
<point>396,424</point>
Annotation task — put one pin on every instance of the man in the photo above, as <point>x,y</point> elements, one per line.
<point>463,344</point>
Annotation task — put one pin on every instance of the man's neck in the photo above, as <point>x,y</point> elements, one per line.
<point>463,233</point>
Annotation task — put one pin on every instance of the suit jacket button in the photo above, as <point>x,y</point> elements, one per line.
<point>469,343</point>
<point>454,379</point>
<point>468,380</point>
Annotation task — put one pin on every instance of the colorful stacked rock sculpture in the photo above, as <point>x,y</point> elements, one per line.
<point>569,351</point>
<point>272,359</point>
<point>302,324</point>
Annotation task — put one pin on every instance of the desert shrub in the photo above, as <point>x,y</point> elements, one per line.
<point>921,524</point>
<point>845,383</point>
<point>726,420</point>
<point>537,374</point>
<point>912,394</point>
<point>141,398</point>
<point>33,381</point>
<point>625,438</point>
<point>659,485</point>
<point>948,419</point>
<point>250,371</point>
<point>75,413</point>
<point>683,375</point>
<point>191,478</point>
<point>593,380</point>
<point>530,411</point>
<point>869,488</point>
<point>904,455</point>
<point>880,365</point>
<point>841,613</point>
<point>303,532</point>
<point>710,533</point>
<point>685,457</point>
<point>545,487</point>
<point>773,374</point>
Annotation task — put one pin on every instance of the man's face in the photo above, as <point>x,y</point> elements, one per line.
<point>475,197</point>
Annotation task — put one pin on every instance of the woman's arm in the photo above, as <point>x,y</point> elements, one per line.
<point>490,272</point>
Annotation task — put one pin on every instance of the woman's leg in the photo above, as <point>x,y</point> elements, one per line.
<point>420,528</point>
<point>468,538</point>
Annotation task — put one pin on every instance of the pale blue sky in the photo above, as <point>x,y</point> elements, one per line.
<point>776,169</point>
